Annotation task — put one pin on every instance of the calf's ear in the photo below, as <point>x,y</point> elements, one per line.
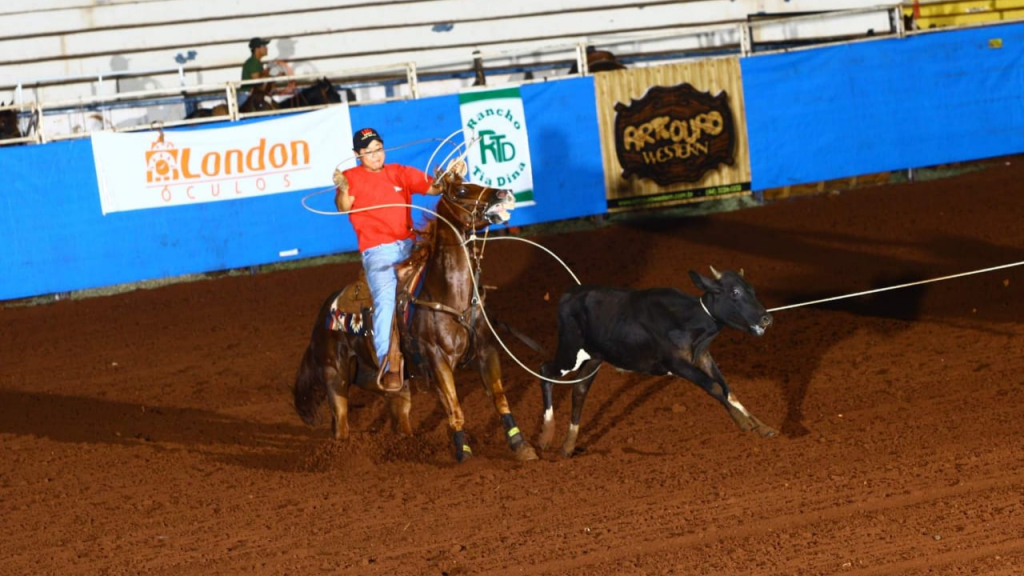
<point>703,282</point>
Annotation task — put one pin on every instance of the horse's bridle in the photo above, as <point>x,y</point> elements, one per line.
<point>476,213</point>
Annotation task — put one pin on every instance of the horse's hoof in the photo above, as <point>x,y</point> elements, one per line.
<point>765,431</point>
<point>794,429</point>
<point>463,453</point>
<point>525,453</point>
<point>462,450</point>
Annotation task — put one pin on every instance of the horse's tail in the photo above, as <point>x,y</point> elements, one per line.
<point>310,389</point>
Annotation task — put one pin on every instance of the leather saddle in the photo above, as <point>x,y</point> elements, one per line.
<point>356,297</point>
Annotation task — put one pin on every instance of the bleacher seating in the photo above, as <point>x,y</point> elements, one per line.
<point>68,50</point>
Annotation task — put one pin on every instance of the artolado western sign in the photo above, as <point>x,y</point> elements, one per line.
<point>674,134</point>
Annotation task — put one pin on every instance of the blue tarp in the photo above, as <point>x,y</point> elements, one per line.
<point>839,111</point>
<point>56,239</point>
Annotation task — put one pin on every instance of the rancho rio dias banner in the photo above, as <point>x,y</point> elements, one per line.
<point>673,134</point>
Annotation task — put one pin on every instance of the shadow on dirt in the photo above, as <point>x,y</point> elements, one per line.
<point>75,419</point>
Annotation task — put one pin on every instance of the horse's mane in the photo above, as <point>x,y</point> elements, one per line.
<point>423,244</point>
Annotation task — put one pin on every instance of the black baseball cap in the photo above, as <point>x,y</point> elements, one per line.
<point>362,138</point>
<point>257,42</point>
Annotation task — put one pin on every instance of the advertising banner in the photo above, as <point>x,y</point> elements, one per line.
<point>494,123</point>
<point>673,134</point>
<point>142,170</point>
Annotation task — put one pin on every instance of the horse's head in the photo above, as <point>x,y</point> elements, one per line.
<point>259,100</point>
<point>9,123</point>
<point>327,91</point>
<point>475,206</point>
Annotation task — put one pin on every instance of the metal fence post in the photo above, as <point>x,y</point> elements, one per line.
<point>412,76</point>
<point>231,101</point>
<point>581,59</point>
<point>746,40</point>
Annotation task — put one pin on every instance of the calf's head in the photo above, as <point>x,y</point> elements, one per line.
<point>731,300</point>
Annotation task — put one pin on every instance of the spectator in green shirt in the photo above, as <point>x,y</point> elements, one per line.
<point>253,67</point>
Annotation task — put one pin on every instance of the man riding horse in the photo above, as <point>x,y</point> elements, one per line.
<point>442,325</point>
<point>385,235</point>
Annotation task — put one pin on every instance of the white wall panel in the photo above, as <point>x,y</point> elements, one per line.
<point>826,28</point>
<point>358,28</point>
<point>14,6</point>
<point>100,37</point>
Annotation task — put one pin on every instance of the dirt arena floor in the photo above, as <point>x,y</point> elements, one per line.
<point>152,432</point>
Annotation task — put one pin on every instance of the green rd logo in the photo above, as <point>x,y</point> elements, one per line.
<point>495,125</point>
<point>496,157</point>
<point>494,145</point>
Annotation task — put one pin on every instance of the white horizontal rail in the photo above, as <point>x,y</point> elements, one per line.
<point>411,74</point>
<point>227,91</point>
<point>323,42</point>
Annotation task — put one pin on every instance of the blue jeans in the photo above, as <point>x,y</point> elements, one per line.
<point>379,263</point>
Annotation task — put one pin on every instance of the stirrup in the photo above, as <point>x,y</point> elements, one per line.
<point>390,380</point>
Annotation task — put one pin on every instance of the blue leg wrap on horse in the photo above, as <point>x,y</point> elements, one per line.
<point>512,432</point>
<point>462,450</point>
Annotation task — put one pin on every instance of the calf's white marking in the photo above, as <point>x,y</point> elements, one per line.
<point>736,403</point>
<point>581,357</point>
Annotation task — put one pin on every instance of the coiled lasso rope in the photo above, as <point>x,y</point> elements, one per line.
<point>476,288</point>
<point>471,238</point>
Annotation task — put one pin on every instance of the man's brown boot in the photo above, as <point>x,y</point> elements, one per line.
<point>391,380</point>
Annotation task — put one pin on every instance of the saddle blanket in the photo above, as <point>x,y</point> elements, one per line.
<point>348,322</point>
<point>356,322</point>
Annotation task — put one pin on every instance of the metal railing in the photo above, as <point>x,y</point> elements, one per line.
<point>404,80</point>
<point>34,114</point>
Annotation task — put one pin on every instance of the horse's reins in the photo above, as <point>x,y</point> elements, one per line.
<point>475,263</point>
<point>476,290</point>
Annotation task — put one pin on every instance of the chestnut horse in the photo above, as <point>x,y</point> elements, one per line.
<point>444,329</point>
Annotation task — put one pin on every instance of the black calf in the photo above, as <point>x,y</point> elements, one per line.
<point>658,331</point>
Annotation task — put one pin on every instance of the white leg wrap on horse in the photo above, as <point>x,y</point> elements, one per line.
<point>736,403</point>
<point>574,429</point>
<point>581,357</point>
<point>549,415</point>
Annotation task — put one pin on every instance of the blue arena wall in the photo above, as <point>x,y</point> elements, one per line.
<point>56,239</point>
<point>811,115</point>
<point>852,109</point>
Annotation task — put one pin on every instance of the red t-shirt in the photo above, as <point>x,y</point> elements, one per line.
<point>394,184</point>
